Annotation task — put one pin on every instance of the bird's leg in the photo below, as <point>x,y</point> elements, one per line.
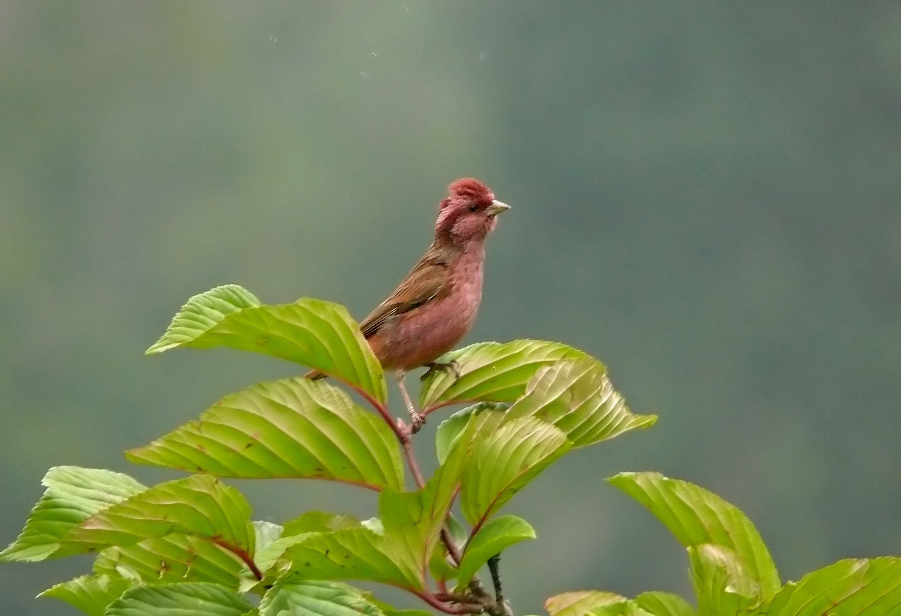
<point>451,366</point>
<point>416,418</point>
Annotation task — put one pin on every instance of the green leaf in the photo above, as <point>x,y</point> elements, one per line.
<point>73,494</point>
<point>173,558</point>
<point>352,553</point>
<point>319,522</point>
<point>266,539</point>
<point>581,602</point>
<point>577,397</point>
<point>492,538</point>
<point>201,313</point>
<point>696,516</point>
<point>396,555</point>
<point>504,462</point>
<point>199,505</point>
<point>853,587</point>
<point>490,371</point>
<point>412,524</point>
<point>409,612</point>
<point>265,533</point>
<point>623,608</point>
<point>295,531</point>
<point>312,332</point>
<point>389,610</point>
<point>90,593</point>
<point>443,489</point>
<point>292,427</point>
<point>490,416</point>
<point>721,584</point>
<point>600,603</point>
<point>294,597</point>
<point>396,551</point>
<point>192,599</point>
<point>664,604</point>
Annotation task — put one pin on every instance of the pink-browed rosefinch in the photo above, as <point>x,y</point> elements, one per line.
<point>436,303</point>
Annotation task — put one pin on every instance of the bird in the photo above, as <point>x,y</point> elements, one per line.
<point>436,304</point>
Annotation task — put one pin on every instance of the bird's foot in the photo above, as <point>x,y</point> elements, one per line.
<point>417,421</point>
<point>451,366</point>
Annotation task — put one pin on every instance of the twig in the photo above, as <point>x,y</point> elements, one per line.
<point>500,607</point>
<point>493,564</point>
<point>440,602</point>
<point>407,442</point>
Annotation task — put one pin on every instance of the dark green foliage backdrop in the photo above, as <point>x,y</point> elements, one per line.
<point>705,197</point>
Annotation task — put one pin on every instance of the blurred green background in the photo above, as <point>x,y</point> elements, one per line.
<point>706,197</point>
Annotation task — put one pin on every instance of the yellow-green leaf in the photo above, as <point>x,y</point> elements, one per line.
<point>293,427</point>
<point>312,332</point>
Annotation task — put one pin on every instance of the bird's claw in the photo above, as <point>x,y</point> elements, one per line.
<point>451,366</point>
<point>417,421</point>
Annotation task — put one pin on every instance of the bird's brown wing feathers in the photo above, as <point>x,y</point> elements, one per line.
<point>427,280</point>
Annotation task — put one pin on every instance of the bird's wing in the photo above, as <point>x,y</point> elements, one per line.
<point>427,280</point>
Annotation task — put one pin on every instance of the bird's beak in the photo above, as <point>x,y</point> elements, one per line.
<point>496,208</point>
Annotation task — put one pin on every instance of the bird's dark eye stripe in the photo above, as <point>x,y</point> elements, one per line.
<point>473,208</point>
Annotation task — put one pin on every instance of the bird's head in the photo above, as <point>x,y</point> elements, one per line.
<point>468,212</point>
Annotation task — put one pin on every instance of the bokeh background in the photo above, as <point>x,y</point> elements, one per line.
<point>705,196</point>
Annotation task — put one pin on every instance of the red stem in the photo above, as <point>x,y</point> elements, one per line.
<point>463,608</point>
<point>441,405</point>
<point>383,411</point>
<point>405,436</point>
<point>407,442</point>
<point>452,547</point>
<point>242,554</point>
<point>399,431</point>
<point>478,525</point>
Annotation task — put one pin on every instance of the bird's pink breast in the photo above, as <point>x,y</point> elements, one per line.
<point>422,335</point>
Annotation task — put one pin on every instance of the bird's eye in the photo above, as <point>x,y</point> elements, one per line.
<point>473,208</point>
